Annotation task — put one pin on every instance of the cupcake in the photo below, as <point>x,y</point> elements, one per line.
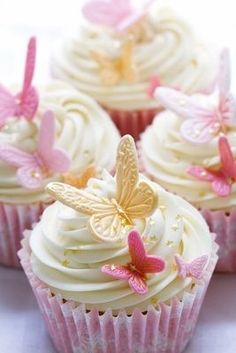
<point>121,265</point>
<point>190,150</point>
<point>122,54</point>
<point>46,134</point>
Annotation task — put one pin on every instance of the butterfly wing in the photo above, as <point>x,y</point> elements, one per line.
<point>181,266</point>
<point>8,105</point>
<point>136,250</point>
<point>180,103</point>
<point>228,164</point>
<point>107,225</point>
<point>55,160</point>
<point>138,284</point>
<point>153,264</point>
<point>28,172</point>
<point>129,71</point>
<point>155,82</point>
<point>29,97</point>
<point>137,200</point>
<point>30,177</point>
<point>77,199</point>
<point>109,73</point>
<point>198,131</point>
<point>219,182</point>
<point>134,16</point>
<point>117,271</point>
<point>126,170</point>
<point>196,267</point>
<point>107,13</point>
<point>15,157</point>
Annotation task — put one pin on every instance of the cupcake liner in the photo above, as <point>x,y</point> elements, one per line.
<point>166,328</point>
<point>223,224</point>
<point>132,122</point>
<point>14,219</point>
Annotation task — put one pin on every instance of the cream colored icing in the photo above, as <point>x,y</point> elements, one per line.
<point>166,157</point>
<point>76,274</point>
<point>172,53</point>
<point>83,130</point>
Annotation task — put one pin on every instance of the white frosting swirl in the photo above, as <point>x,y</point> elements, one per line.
<point>167,156</point>
<point>83,130</point>
<point>62,229</point>
<point>172,53</point>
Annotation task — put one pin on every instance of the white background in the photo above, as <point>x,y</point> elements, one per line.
<point>21,327</point>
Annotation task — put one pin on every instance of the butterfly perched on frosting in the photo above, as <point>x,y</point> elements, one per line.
<point>201,123</point>
<point>112,70</point>
<point>25,103</point>
<point>32,167</point>
<point>193,269</point>
<point>141,264</point>
<point>116,14</point>
<point>110,217</point>
<point>221,179</point>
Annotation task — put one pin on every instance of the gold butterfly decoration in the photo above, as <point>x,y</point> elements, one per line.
<point>81,180</point>
<point>114,70</point>
<point>110,218</point>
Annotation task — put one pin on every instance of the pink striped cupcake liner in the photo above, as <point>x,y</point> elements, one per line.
<point>14,219</point>
<point>166,328</point>
<point>223,224</point>
<point>132,122</point>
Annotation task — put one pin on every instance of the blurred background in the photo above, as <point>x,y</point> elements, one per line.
<point>214,21</point>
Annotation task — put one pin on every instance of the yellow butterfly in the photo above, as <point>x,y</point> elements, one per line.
<point>81,180</point>
<point>111,217</point>
<point>115,69</point>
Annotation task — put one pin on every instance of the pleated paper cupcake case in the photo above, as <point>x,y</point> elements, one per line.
<point>165,329</point>
<point>132,122</point>
<point>14,219</point>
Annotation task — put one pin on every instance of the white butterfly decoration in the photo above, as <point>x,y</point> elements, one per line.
<point>202,124</point>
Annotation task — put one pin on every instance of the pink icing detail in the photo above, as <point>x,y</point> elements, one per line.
<point>221,180</point>
<point>202,124</point>
<point>32,167</point>
<point>25,103</point>
<point>155,82</point>
<point>141,264</point>
<point>193,269</point>
<point>117,14</point>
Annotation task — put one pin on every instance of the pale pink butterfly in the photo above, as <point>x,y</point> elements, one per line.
<point>221,179</point>
<point>141,264</point>
<point>117,14</point>
<point>202,124</point>
<point>24,103</point>
<point>193,269</point>
<point>32,168</point>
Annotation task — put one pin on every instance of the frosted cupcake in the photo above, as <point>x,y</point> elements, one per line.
<point>190,150</point>
<point>121,265</point>
<point>122,54</point>
<point>49,133</point>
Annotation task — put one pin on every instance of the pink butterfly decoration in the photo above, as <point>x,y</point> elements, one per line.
<point>141,264</point>
<point>25,103</point>
<point>117,14</point>
<point>193,269</point>
<point>221,180</point>
<point>156,82</point>
<point>202,124</point>
<point>31,168</point>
